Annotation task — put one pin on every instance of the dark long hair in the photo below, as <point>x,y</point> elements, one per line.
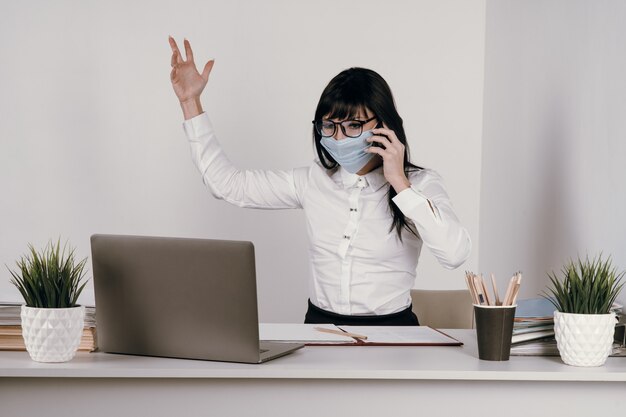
<point>351,91</point>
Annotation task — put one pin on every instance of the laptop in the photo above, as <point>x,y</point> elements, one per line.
<point>179,298</point>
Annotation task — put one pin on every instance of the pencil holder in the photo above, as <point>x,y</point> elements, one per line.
<point>494,329</point>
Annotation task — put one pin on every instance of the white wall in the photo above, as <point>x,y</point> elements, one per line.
<point>554,148</point>
<point>91,137</point>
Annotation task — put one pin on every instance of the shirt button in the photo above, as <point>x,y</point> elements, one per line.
<point>352,209</point>
<point>346,237</point>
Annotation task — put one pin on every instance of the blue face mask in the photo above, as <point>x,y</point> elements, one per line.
<point>349,152</point>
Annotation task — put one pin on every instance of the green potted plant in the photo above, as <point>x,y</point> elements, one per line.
<point>50,282</point>
<point>583,321</point>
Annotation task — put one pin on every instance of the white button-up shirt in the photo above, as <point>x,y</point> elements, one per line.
<point>358,266</point>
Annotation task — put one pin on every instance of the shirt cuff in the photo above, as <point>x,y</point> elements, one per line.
<point>197,126</point>
<point>408,199</point>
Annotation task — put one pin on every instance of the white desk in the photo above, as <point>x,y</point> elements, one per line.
<point>314,381</point>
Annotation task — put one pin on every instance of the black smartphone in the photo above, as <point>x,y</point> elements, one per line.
<point>378,126</point>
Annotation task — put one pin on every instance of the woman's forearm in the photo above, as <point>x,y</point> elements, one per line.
<point>191,108</point>
<point>427,204</point>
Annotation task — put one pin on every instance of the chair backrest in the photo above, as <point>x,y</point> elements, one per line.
<point>443,309</point>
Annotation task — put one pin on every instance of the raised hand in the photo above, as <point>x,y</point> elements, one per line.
<point>188,83</point>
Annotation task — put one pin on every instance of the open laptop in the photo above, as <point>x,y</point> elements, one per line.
<point>178,298</point>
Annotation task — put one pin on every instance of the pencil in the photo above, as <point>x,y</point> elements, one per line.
<point>470,286</point>
<point>495,289</point>
<point>479,291</point>
<point>514,293</point>
<point>341,332</point>
<point>509,290</point>
<point>517,287</point>
<point>484,289</point>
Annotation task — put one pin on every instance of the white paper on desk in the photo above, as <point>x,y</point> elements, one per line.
<point>400,334</point>
<point>300,333</point>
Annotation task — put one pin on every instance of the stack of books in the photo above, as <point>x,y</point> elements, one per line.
<point>533,329</point>
<point>11,329</point>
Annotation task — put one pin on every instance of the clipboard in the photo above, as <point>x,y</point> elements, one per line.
<point>376,335</point>
<point>399,336</point>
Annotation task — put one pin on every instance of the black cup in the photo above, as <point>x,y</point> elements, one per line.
<point>494,328</point>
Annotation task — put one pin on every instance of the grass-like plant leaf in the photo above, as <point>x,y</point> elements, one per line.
<point>587,286</point>
<point>50,278</point>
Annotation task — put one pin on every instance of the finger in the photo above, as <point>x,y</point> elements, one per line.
<point>390,134</point>
<point>177,59</point>
<point>173,45</point>
<point>392,149</point>
<point>173,74</point>
<point>188,51</point>
<point>379,151</point>
<point>174,58</point>
<point>394,137</point>
<point>380,139</point>
<point>207,70</point>
<point>387,132</point>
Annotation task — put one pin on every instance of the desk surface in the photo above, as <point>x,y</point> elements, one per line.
<point>327,362</point>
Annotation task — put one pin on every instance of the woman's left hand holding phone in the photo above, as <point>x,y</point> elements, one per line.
<point>187,82</point>
<point>392,152</point>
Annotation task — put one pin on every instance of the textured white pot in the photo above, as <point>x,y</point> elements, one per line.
<point>52,334</point>
<point>584,339</point>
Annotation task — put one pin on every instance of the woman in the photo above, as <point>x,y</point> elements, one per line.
<point>368,209</point>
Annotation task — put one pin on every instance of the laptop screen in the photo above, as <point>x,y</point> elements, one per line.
<point>176,297</point>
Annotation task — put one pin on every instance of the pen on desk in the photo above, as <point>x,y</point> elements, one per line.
<point>341,332</point>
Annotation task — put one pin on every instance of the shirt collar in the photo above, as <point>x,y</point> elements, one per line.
<point>375,178</point>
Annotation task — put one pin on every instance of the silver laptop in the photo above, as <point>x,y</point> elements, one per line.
<point>178,298</point>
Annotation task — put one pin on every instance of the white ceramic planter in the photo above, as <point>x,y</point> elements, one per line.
<point>52,334</point>
<point>584,339</point>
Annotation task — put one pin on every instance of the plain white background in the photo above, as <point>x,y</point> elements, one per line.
<point>554,148</point>
<point>91,139</point>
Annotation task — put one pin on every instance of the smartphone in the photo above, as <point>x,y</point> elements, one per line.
<point>380,145</point>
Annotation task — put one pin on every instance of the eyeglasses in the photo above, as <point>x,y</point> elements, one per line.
<point>350,128</point>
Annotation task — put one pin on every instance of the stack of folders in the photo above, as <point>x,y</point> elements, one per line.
<point>533,329</point>
<point>11,329</point>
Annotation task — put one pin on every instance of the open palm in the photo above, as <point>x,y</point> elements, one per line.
<point>188,83</point>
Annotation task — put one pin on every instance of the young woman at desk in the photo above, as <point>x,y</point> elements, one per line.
<point>368,209</point>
